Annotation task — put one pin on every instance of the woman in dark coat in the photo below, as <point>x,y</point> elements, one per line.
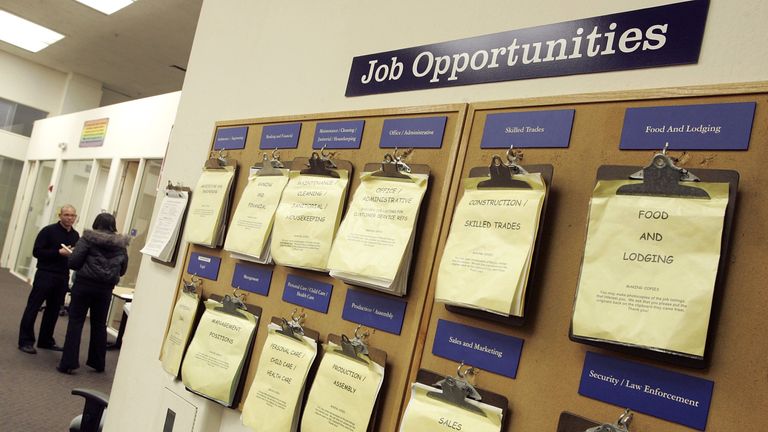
<point>99,259</point>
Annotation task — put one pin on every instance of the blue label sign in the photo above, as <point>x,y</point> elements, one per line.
<point>374,310</point>
<point>485,349</point>
<point>725,126</point>
<point>531,129</point>
<point>668,395</point>
<point>307,293</point>
<point>424,132</point>
<point>252,278</point>
<point>658,36</point>
<point>204,266</point>
<point>339,135</point>
<point>231,138</point>
<point>280,136</point>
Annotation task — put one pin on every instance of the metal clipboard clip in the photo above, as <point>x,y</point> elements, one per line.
<point>175,190</point>
<point>394,166</point>
<point>270,165</point>
<point>662,178</point>
<point>191,286</point>
<point>456,391</point>
<point>217,160</point>
<point>233,304</point>
<point>355,348</point>
<point>501,172</point>
<point>621,425</point>
<point>293,327</point>
<point>321,164</point>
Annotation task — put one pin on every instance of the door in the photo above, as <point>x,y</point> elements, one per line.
<point>34,219</point>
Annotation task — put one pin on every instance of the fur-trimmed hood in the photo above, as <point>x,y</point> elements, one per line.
<point>106,239</point>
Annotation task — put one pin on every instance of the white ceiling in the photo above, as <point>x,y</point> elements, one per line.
<point>132,52</point>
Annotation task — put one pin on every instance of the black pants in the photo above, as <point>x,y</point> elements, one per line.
<point>85,296</point>
<point>50,288</point>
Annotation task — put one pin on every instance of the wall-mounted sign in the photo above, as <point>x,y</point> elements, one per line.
<point>420,132</point>
<point>661,393</point>
<point>280,136</point>
<point>308,293</point>
<point>252,277</point>
<point>653,37</point>
<point>725,126</point>
<point>94,132</point>
<point>339,135</point>
<point>528,129</point>
<point>230,138</point>
<point>491,351</point>
<point>379,311</point>
<point>204,266</point>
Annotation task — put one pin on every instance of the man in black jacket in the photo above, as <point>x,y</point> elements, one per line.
<point>53,246</point>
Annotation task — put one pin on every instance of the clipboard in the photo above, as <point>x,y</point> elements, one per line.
<point>379,357</point>
<point>391,169</point>
<point>193,287</point>
<point>547,172</point>
<point>570,422</point>
<point>623,172</point>
<point>171,189</point>
<point>256,311</point>
<point>430,378</point>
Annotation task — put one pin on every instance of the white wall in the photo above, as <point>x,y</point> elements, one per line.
<point>42,88</point>
<point>257,59</point>
<point>13,145</point>
<point>137,129</point>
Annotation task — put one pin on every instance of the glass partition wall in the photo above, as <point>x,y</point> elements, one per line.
<point>34,218</point>
<point>140,219</point>
<point>71,189</point>
<point>10,174</point>
<point>85,184</point>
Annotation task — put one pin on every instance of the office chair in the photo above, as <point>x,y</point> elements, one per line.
<point>92,418</point>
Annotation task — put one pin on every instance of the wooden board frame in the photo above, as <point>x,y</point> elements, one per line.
<point>548,377</point>
<point>403,349</point>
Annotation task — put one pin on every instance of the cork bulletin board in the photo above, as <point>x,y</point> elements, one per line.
<point>400,348</point>
<point>550,368</point>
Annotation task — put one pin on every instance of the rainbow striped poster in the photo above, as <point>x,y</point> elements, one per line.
<point>94,132</point>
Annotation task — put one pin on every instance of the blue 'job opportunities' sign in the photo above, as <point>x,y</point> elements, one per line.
<point>658,36</point>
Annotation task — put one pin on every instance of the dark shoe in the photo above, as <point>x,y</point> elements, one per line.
<point>53,347</point>
<point>29,349</point>
<point>64,370</point>
<point>113,346</point>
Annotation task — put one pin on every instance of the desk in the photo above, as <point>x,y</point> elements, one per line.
<point>121,299</point>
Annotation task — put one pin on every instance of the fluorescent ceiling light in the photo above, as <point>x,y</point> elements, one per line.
<point>26,34</point>
<point>107,7</point>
